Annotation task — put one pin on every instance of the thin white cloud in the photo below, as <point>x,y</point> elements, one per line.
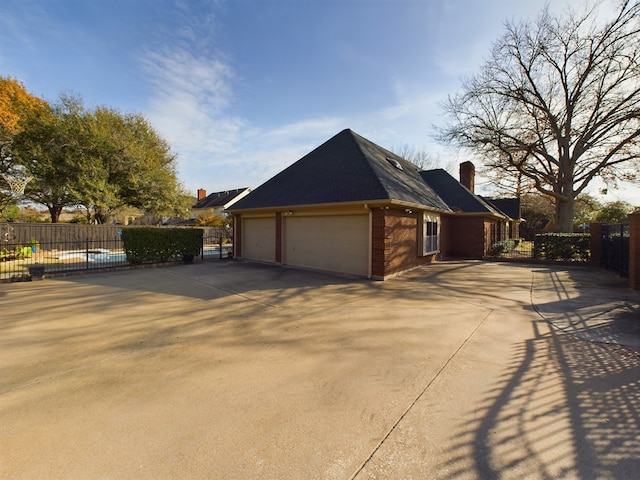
<point>193,95</point>
<point>188,105</point>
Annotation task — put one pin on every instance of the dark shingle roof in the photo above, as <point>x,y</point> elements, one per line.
<point>457,196</point>
<point>346,168</point>
<point>509,206</point>
<point>219,199</point>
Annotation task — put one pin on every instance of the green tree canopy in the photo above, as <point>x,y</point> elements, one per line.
<point>100,159</point>
<point>128,164</point>
<point>614,212</point>
<point>16,105</point>
<point>49,147</point>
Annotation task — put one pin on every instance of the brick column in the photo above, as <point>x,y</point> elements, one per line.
<point>634,251</point>
<point>377,243</point>
<point>596,244</point>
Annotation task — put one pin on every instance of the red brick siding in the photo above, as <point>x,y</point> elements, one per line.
<point>491,235</point>
<point>395,242</point>
<point>377,243</point>
<point>515,228</point>
<point>444,235</point>
<point>464,237</point>
<point>401,235</point>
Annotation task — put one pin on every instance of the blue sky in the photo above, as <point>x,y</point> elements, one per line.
<point>243,88</point>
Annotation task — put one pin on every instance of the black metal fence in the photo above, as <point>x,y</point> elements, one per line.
<point>615,239</point>
<point>29,249</point>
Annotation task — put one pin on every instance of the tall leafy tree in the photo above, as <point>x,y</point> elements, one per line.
<point>558,103</point>
<point>16,105</point>
<point>50,146</point>
<point>100,159</point>
<point>128,164</point>
<point>614,212</point>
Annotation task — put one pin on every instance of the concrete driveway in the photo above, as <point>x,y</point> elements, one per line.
<point>225,370</point>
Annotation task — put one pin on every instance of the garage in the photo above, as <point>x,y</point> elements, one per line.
<point>259,239</point>
<point>337,243</point>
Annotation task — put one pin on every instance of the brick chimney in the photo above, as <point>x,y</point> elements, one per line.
<point>468,175</point>
<point>202,193</point>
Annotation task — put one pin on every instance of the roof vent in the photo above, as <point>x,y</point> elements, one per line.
<point>395,163</point>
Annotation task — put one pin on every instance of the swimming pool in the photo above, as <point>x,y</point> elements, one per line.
<point>103,255</point>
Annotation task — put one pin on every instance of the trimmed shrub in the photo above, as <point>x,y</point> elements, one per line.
<point>157,244</point>
<point>562,246</point>
<point>504,246</point>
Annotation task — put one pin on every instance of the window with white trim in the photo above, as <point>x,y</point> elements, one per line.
<point>430,233</point>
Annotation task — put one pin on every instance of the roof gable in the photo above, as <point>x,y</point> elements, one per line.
<point>346,168</point>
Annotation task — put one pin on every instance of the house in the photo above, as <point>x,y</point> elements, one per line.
<point>351,206</point>
<point>216,203</point>
<point>510,207</point>
<point>478,223</point>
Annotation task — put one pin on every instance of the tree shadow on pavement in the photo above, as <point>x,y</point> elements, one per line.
<point>594,306</point>
<point>564,408</point>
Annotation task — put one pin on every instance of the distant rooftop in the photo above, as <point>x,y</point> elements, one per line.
<point>220,199</point>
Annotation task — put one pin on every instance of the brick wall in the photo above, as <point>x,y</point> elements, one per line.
<point>377,243</point>
<point>515,228</point>
<point>395,242</point>
<point>465,237</point>
<point>401,246</point>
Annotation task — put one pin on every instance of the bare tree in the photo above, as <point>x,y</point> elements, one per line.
<point>557,102</point>
<point>422,159</point>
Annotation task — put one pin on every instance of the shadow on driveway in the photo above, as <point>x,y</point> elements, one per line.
<point>238,370</point>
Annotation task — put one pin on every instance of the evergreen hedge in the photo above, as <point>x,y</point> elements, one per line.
<point>158,244</point>
<point>562,246</point>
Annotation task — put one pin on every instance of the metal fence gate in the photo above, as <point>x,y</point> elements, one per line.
<point>615,247</point>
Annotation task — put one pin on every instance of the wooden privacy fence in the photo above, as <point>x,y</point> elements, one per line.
<point>62,236</point>
<point>59,236</point>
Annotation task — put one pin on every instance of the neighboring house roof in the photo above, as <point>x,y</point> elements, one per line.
<point>222,199</point>
<point>457,196</point>
<point>346,168</point>
<point>509,206</point>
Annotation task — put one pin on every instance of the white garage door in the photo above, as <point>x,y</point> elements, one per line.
<point>337,243</point>
<point>259,239</point>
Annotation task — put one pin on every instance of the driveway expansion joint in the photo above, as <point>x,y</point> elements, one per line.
<point>419,396</point>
